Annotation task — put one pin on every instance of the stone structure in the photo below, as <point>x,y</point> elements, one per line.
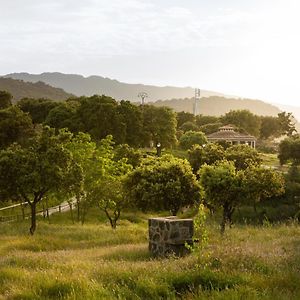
<point>227,133</point>
<point>169,236</point>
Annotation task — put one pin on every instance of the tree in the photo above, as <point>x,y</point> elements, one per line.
<point>107,191</point>
<point>261,183</point>
<point>164,183</point>
<point>204,120</point>
<point>223,185</point>
<point>270,127</point>
<point>132,156</point>
<point>207,154</point>
<point>289,150</point>
<point>131,116</point>
<point>244,120</point>
<point>189,126</point>
<point>286,123</point>
<point>5,99</point>
<point>63,116</point>
<point>242,156</point>
<point>99,117</point>
<point>210,127</point>
<point>15,126</point>
<point>190,138</point>
<point>37,108</point>
<point>227,187</point>
<point>46,166</point>
<point>183,117</point>
<point>102,176</point>
<point>159,126</point>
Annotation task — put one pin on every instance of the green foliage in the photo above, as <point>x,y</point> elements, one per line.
<point>189,126</point>
<point>102,175</point>
<point>207,154</point>
<point>222,185</point>
<point>261,183</point>
<point>190,138</point>
<point>286,123</point>
<point>132,156</point>
<point>183,117</point>
<point>289,150</point>
<point>292,180</point>
<point>242,156</point>
<point>30,173</point>
<point>62,116</point>
<point>244,120</point>
<point>110,197</point>
<point>5,99</point>
<point>38,109</point>
<point>131,116</point>
<point>210,127</point>
<point>165,183</point>
<point>227,187</point>
<point>15,126</point>
<point>159,126</point>
<point>270,127</point>
<point>202,120</point>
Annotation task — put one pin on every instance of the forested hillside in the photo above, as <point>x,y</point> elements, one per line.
<point>216,106</point>
<point>20,89</point>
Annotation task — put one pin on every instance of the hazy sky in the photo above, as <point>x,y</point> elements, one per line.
<point>245,48</point>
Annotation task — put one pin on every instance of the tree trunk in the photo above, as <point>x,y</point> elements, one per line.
<point>78,207</point>
<point>71,211</point>
<point>33,218</point>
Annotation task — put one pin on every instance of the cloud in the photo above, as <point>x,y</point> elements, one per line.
<point>115,27</point>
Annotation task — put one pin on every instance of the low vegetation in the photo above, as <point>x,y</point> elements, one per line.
<point>95,262</point>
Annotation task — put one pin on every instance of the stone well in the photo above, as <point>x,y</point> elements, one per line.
<point>169,235</point>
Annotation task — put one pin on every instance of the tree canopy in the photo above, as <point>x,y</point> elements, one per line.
<point>32,172</point>
<point>164,183</point>
<point>190,138</point>
<point>15,126</point>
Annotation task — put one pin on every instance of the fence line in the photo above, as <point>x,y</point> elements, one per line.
<point>44,212</point>
<point>13,206</point>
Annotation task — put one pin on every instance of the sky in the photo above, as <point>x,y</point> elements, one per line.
<point>238,47</point>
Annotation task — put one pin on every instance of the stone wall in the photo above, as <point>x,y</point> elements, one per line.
<point>169,235</point>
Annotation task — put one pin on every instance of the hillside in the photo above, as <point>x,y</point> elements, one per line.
<point>20,89</point>
<point>88,86</point>
<point>216,106</point>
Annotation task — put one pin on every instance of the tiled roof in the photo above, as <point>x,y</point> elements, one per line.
<point>227,133</point>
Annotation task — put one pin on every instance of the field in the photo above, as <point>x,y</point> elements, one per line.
<point>71,261</point>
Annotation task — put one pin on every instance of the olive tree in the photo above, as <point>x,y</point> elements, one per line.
<point>46,166</point>
<point>164,183</point>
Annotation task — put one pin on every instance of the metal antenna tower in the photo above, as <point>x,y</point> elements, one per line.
<point>142,95</point>
<point>197,97</point>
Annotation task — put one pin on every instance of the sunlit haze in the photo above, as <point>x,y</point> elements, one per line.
<point>244,48</point>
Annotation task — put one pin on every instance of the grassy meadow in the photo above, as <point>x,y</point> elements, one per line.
<point>70,261</point>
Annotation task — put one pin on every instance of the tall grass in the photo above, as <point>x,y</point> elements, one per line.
<point>70,261</point>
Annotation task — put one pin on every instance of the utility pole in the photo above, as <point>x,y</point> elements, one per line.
<point>142,95</point>
<point>197,97</point>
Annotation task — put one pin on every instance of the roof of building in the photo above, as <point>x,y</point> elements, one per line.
<point>227,133</point>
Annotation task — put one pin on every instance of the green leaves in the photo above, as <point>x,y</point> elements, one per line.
<point>165,183</point>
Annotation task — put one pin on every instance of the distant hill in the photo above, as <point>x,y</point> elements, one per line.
<point>216,106</point>
<point>20,89</point>
<point>211,103</point>
<point>88,86</point>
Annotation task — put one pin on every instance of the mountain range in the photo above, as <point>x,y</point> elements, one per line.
<point>88,86</point>
<point>59,86</point>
